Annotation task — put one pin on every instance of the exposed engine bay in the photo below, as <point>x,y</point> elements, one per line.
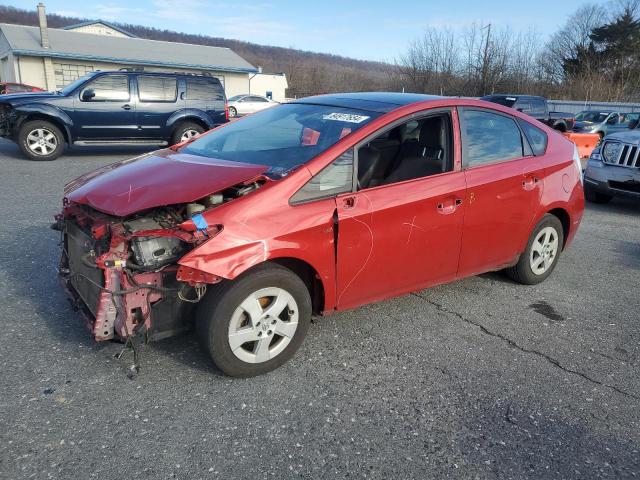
<point>123,272</point>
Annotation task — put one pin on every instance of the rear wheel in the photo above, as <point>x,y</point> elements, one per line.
<point>541,254</point>
<point>40,140</point>
<point>186,131</point>
<point>594,196</point>
<point>255,323</point>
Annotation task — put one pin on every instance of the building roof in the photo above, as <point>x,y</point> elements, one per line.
<point>68,44</point>
<point>100,22</point>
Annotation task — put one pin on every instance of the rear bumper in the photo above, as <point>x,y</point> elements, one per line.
<point>612,180</point>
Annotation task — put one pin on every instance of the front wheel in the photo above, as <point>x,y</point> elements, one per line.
<point>541,255</point>
<point>233,113</point>
<point>255,323</point>
<point>40,140</point>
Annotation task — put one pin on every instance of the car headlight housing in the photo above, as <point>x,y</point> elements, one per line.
<point>611,151</point>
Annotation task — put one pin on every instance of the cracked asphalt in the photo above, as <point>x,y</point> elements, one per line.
<point>482,378</point>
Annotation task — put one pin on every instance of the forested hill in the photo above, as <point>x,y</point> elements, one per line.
<point>307,72</point>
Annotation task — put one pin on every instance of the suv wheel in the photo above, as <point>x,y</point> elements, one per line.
<point>541,255</point>
<point>186,131</point>
<point>596,197</point>
<point>255,323</point>
<point>40,140</point>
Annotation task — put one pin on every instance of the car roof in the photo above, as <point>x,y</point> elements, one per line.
<point>372,101</point>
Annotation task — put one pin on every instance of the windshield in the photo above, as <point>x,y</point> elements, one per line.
<point>73,85</point>
<point>282,137</point>
<point>596,117</point>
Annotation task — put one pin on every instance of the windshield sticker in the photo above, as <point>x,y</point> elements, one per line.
<point>345,117</point>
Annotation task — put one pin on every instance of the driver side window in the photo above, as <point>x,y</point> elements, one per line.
<point>108,88</point>
<point>414,149</point>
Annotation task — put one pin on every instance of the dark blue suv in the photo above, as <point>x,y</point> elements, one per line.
<point>113,108</point>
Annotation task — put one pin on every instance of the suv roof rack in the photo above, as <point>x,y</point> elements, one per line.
<point>131,69</point>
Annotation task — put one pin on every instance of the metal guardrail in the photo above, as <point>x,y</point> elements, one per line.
<point>575,106</point>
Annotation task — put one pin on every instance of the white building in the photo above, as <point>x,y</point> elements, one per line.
<point>51,58</point>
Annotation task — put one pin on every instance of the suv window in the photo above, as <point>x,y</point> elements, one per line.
<point>203,89</point>
<point>537,106</point>
<point>107,88</point>
<point>537,138</point>
<point>415,149</point>
<point>523,105</point>
<point>157,89</point>
<point>489,137</point>
<point>335,178</point>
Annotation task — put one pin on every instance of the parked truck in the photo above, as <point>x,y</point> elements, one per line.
<point>536,107</point>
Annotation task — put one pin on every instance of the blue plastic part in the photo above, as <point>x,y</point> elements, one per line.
<point>200,222</point>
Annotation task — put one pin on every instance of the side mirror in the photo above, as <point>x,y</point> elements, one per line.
<point>88,95</point>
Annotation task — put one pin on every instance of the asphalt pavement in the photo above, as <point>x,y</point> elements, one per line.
<point>482,378</point>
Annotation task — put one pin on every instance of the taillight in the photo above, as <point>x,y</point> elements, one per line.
<point>226,111</point>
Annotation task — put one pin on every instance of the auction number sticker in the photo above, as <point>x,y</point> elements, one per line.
<point>345,117</point>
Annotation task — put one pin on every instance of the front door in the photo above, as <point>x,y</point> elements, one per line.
<point>402,229</point>
<point>504,186</point>
<point>104,109</point>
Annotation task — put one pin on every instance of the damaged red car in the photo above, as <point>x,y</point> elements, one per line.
<point>313,207</point>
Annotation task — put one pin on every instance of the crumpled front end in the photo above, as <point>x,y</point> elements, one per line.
<point>123,272</point>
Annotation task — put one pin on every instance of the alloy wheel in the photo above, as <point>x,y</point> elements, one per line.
<point>263,325</point>
<point>543,250</point>
<point>42,141</point>
<point>189,134</point>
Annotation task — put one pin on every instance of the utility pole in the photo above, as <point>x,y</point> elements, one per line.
<point>485,58</point>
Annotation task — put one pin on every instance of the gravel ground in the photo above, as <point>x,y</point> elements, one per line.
<point>482,378</point>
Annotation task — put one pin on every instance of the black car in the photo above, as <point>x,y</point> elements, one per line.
<point>113,108</point>
<point>536,107</point>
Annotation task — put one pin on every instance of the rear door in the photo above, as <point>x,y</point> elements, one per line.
<point>104,109</point>
<point>157,101</point>
<point>504,187</point>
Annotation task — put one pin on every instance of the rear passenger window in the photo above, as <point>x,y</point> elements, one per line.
<point>203,89</point>
<point>157,89</point>
<point>537,138</point>
<point>489,137</point>
<point>108,88</point>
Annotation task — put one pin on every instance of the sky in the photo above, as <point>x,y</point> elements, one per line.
<point>365,29</point>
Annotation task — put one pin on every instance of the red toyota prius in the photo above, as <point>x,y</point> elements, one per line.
<point>312,207</point>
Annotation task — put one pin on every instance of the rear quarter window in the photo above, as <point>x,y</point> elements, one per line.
<point>537,138</point>
<point>204,89</point>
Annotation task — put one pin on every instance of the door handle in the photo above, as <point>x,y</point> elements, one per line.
<point>530,183</point>
<point>448,206</point>
<point>126,107</point>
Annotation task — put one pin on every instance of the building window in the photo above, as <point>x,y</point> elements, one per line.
<point>68,72</point>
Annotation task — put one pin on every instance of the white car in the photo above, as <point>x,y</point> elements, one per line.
<point>243,104</point>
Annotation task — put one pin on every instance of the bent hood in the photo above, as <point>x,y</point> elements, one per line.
<point>161,178</point>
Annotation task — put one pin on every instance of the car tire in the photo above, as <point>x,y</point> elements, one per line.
<point>40,140</point>
<point>596,197</point>
<point>233,113</point>
<point>186,131</point>
<point>542,253</point>
<point>243,344</point>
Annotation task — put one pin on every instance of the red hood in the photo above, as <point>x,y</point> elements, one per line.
<point>161,178</point>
